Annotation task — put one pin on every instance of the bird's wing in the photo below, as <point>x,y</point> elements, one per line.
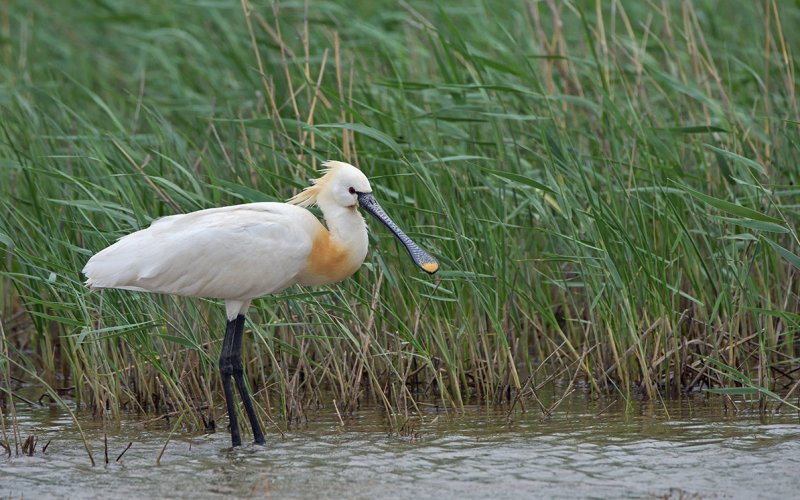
<point>235,252</point>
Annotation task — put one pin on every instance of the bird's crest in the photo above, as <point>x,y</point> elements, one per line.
<point>308,196</point>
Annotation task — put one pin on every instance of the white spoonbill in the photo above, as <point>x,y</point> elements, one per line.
<point>245,251</point>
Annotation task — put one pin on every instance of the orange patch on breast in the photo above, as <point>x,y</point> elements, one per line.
<point>329,262</point>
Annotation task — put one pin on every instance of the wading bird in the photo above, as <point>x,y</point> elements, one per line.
<point>241,252</point>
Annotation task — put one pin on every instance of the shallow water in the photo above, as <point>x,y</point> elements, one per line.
<point>684,449</point>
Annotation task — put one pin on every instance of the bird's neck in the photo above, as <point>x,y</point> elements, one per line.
<point>347,228</point>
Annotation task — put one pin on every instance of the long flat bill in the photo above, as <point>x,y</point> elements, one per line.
<point>420,257</point>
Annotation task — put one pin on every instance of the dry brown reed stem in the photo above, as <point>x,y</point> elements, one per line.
<point>119,457</point>
<point>169,437</point>
<point>140,168</point>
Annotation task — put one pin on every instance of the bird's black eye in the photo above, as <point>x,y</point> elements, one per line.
<point>352,190</point>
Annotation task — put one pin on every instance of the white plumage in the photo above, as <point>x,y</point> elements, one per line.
<point>234,253</point>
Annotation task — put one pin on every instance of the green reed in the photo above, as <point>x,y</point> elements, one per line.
<point>610,188</point>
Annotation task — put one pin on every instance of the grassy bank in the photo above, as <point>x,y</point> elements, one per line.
<point>610,188</point>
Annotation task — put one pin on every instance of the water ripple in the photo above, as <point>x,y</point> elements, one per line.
<point>670,452</point>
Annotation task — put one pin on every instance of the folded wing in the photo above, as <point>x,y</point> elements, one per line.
<point>234,252</point>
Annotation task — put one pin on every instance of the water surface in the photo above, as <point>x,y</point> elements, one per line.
<point>684,449</point>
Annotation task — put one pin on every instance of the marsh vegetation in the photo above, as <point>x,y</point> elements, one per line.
<point>610,187</point>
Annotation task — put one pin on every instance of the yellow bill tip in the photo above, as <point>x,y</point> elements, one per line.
<point>430,267</point>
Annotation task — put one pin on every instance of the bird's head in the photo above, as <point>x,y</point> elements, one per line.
<point>344,185</point>
<point>339,186</point>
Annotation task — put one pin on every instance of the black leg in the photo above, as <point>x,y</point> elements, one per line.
<point>230,367</point>
<point>226,372</point>
<point>238,376</point>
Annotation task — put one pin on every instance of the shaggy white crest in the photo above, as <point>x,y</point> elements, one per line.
<point>339,184</point>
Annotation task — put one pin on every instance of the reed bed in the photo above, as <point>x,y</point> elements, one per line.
<point>611,189</point>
